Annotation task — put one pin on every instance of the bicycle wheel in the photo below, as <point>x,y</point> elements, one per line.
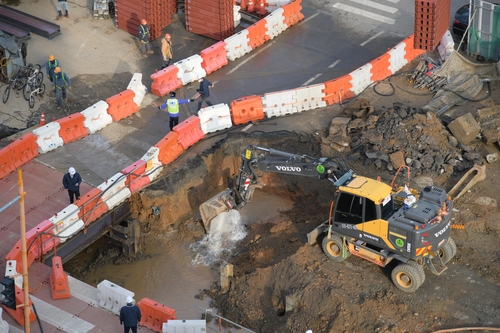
<point>6,94</point>
<point>34,70</point>
<point>38,80</point>
<point>41,90</point>
<point>32,101</point>
<point>21,81</point>
<point>27,91</point>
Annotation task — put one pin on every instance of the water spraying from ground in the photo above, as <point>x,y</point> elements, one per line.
<point>226,230</point>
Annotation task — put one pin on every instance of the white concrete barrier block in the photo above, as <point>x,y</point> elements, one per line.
<point>112,297</point>
<point>361,78</point>
<point>96,117</point>
<point>275,23</point>
<point>138,88</point>
<point>190,68</point>
<point>154,166</point>
<point>114,190</point>
<point>397,57</point>
<point>215,118</point>
<point>310,97</point>
<point>48,137</point>
<point>280,103</point>
<point>237,45</point>
<point>67,223</point>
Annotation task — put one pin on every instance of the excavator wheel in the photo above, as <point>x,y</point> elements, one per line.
<point>334,248</point>
<point>447,251</point>
<point>406,277</point>
<point>420,270</point>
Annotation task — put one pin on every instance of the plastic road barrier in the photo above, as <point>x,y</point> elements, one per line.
<point>247,109</point>
<point>237,45</point>
<point>72,128</point>
<point>114,190</point>
<point>189,132</point>
<point>67,222</point>
<point>122,105</point>
<point>214,57</point>
<point>48,137</point>
<point>169,148</point>
<point>96,117</point>
<point>112,297</point>
<point>215,118</point>
<point>138,88</point>
<point>190,68</point>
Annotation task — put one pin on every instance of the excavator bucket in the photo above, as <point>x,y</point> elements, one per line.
<point>222,202</point>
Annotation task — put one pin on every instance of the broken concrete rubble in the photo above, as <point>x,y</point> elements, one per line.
<point>399,136</point>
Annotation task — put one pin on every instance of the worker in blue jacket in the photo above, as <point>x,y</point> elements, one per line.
<point>71,182</point>
<point>204,91</point>
<point>172,105</point>
<point>61,83</point>
<point>130,316</point>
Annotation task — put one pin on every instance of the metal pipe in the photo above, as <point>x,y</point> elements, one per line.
<point>10,203</point>
<point>229,321</point>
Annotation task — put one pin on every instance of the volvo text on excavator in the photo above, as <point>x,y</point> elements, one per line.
<point>368,219</point>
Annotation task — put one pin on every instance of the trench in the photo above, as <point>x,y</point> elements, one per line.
<point>168,269</point>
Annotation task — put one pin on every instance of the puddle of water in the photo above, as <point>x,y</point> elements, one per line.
<point>264,206</point>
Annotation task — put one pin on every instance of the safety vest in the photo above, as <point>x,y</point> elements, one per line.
<point>145,32</point>
<point>56,64</point>
<point>173,107</point>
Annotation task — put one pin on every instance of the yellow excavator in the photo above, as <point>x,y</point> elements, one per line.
<point>368,218</point>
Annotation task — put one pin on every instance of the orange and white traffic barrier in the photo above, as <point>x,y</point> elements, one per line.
<point>279,103</point>
<point>237,45</point>
<point>59,284</point>
<point>114,190</point>
<point>48,137</point>
<point>96,117</point>
<point>275,23</point>
<point>138,88</point>
<point>67,222</point>
<point>154,314</point>
<point>153,164</point>
<point>112,297</point>
<point>190,68</point>
<point>310,97</point>
<point>215,118</point>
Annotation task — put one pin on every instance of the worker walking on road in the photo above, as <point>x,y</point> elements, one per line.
<point>144,38</point>
<point>51,65</point>
<point>61,83</point>
<point>166,51</point>
<point>130,316</point>
<point>61,3</point>
<point>71,182</point>
<point>172,105</point>
<point>204,91</point>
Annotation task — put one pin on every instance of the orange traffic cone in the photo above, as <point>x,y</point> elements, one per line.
<point>251,6</point>
<point>42,120</point>
<point>262,7</point>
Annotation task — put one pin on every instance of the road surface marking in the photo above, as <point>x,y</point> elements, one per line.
<point>309,18</point>
<point>375,5</point>
<point>247,59</point>
<point>246,127</point>
<point>63,320</point>
<point>334,64</point>
<point>393,1</point>
<point>364,13</point>
<point>371,38</point>
<point>311,79</point>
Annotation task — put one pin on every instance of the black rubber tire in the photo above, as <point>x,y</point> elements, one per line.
<point>453,246</point>
<point>20,82</point>
<point>39,80</point>
<point>32,101</point>
<point>420,270</point>
<point>6,94</point>
<point>445,252</point>
<point>41,90</point>
<point>406,277</point>
<point>333,248</point>
<point>27,91</point>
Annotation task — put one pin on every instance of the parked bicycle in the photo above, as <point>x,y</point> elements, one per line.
<point>16,83</point>
<point>34,84</point>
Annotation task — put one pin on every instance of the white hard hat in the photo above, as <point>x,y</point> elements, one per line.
<point>71,171</point>
<point>200,76</point>
<point>309,331</point>
<point>129,299</point>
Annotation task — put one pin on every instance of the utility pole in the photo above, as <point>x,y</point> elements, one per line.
<point>24,252</point>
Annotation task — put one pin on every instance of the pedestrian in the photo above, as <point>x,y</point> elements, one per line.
<point>166,51</point>
<point>204,91</point>
<point>130,315</point>
<point>61,83</point>
<point>172,105</point>
<point>71,182</point>
<point>144,38</point>
<point>61,3</point>
<point>51,65</point>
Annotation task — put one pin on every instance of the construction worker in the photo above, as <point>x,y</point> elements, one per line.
<point>61,83</point>
<point>51,65</point>
<point>61,3</point>
<point>166,51</point>
<point>204,91</point>
<point>144,38</point>
<point>172,105</point>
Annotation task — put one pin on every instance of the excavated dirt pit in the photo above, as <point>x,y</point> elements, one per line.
<point>282,284</point>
